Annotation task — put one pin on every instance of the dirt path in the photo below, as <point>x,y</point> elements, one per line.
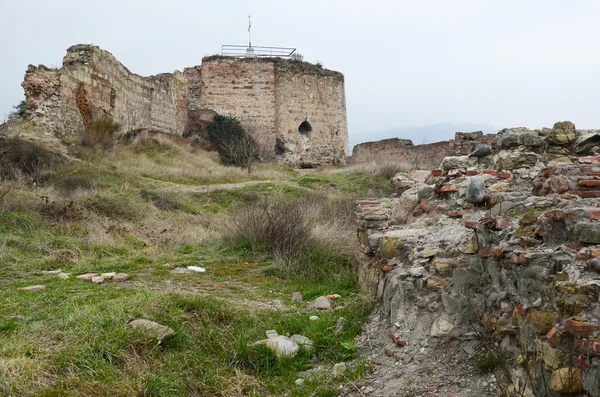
<point>178,188</point>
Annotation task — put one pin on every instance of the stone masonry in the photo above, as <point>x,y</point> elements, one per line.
<point>294,109</point>
<point>425,156</point>
<point>519,262</point>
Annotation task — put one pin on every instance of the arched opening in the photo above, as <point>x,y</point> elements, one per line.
<point>305,127</point>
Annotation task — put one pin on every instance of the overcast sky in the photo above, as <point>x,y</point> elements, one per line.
<point>407,63</point>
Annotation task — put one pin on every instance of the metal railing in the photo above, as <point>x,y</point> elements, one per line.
<point>242,51</point>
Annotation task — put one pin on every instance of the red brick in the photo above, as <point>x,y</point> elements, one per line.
<point>417,212</point>
<point>437,172</point>
<point>568,196</point>
<point>520,309</point>
<point>473,172</point>
<point>552,337</point>
<point>588,194</point>
<point>555,215</point>
<point>518,259</point>
<point>504,175</point>
<point>595,215</point>
<point>559,185</point>
<point>583,254</point>
<point>450,188</point>
<point>588,347</point>
<point>582,363</point>
<point>547,173</point>
<point>501,223</point>
<point>573,246</point>
<point>490,252</point>
<point>594,252</point>
<point>467,206</point>
<point>456,214</point>
<point>589,172</point>
<point>435,214</point>
<point>366,202</point>
<point>388,268</point>
<point>589,160</point>
<point>539,185</point>
<point>579,328</point>
<point>589,182</point>
<point>471,224</point>
<point>424,205</point>
<point>442,207</point>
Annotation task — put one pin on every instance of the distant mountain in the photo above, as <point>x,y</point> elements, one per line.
<point>423,134</point>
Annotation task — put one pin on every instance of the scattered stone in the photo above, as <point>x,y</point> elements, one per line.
<point>333,297</point>
<point>303,341</point>
<point>281,345</point>
<point>322,303</point>
<point>108,276</point>
<point>476,191</point>
<point>52,272</point>
<point>32,288</point>
<point>98,280</point>
<point>297,297</point>
<point>339,370</point>
<point>313,318</point>
<point>567,380</point>
<point>62,276</point>
<point>339,326</point>
<point>482,151</point>
<point>271,333</point>
<point>417,271</point>
<point>120,277</point>
<point>87,276</point>
<point>197,269</point>
<point>441,328</point>
<point>152,329</point>
<point>299,382</point>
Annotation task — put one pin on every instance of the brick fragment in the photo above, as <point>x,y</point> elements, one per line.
<point>501,223</point>
<point>449,188</point>
<point>589,182</point>
<point>424,205</point>
<point>437,172</point>
<point>417,212</point>
<point>471,224</point>
<point>579,328</point>
<point>587,347</point>
<point>552,336</point>
<point>589,160</point>
<point>365,202</point>
<point>595,215</point>
<point>587,193</point>
<point>442,207</point>
<point>456,214</point>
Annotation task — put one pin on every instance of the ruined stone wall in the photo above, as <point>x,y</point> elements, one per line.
<point>519,263</point>
<point>92,84</point>
<point>426,156</point>
<point>271,98</point>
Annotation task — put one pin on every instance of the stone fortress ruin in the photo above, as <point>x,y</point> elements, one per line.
<point>295,109</point>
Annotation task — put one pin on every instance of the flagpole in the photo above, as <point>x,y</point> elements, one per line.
<point>249,34</point>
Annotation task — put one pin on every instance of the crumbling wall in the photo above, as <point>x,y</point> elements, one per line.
<point>425,156</point>
<point>92,84</point>
<point>519,265</point>
<point>272,98</point>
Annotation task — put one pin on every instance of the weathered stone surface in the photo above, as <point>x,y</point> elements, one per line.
<point>297,297</point>
<point>563,133</point>
<point>567,380</point>
<point>98,280</point>
<point>441,328</point>
<point>86,276</point>
<point>322,303</point>
<point>587,232</point>
<point>476,191</point>
<point>458,162</point>
<point>303,341</point>
<point>339,370</point>
<point>511,160</point>
<point>152,329</point>
<point>120,277</point>
<point>32,288</point>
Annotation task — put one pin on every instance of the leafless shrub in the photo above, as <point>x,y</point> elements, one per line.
<point>280,228</point>
<point>6,190</point>
<point>100,133</point>
<point>20,158</point>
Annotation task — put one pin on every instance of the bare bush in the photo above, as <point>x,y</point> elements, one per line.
<point>6,190</point>
<point>281,228</point>
<point>234,144</point>
<point>19,158</point>
<point>100,133</point>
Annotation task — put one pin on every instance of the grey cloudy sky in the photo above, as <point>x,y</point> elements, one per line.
<point>407,63</point>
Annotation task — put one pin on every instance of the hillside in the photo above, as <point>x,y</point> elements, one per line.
<point>148,211</point>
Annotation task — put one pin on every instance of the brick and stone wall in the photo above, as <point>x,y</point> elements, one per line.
<point>521,261</point>
<point>92,84</point>
<point>426,156</point>
<point>272,98</point>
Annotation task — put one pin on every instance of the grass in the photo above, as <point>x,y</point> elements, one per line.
<point>121,211</point>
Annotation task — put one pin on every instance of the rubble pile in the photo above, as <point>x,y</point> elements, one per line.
<point>505,246</point>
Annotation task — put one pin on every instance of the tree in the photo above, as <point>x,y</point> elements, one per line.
<point>18,112</point>
<point>234,145</point>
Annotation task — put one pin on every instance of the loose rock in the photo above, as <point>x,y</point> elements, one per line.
<point>32,288</point>
<point>322,303</point>
<point>152,329</point>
